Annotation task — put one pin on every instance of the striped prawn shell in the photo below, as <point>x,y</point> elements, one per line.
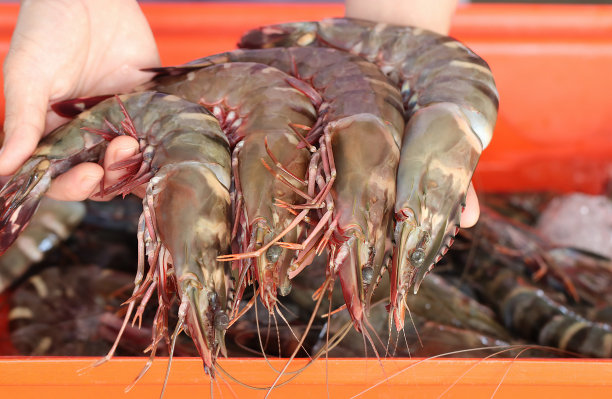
<point>357,98</point>
<point>450,101</point>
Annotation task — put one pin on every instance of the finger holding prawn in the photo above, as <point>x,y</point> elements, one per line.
<point>471,212</point>
<point>83,180</point>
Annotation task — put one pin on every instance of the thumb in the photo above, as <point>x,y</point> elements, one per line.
<point>27,99</point>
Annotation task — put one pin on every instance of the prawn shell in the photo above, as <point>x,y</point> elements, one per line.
<point>433,188</point>
<point>350,88</point>
<point>429,67</point>
<point>434,72</point>
<point>182,145</point>
<point>257,104</point>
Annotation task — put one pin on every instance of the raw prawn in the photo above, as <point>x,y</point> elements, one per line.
<point>185,160</point>
<point>359,130</point>
<point>530,312</point>
<point>515,241</point>
<point>451,104</point>
<point>259,108</point>
<point>499,265</point>
<point>59,311</point>
<point>53,223</point>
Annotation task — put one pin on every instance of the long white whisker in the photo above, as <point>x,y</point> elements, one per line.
<point>505,347</point>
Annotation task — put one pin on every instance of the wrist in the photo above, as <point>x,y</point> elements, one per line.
<point>432,15</point>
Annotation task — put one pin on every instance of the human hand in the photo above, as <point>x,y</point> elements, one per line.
<point>63,49</point>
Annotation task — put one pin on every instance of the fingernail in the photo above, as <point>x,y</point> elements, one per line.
<point>126,152</point>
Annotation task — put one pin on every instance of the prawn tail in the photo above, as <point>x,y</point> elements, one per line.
<point>281,35</point>
<point>73,107</point>
<point>20,198</point>
<point>190,66</point>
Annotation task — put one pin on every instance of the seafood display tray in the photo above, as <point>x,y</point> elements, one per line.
<point>552,66</point>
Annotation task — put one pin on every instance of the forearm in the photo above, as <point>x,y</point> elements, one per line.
<point>434,15</point>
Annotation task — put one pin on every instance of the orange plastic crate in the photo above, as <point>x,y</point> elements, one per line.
<point>552,65</point>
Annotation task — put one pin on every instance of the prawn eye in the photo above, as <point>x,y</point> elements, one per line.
<point>221,320</point>
<point>212,298</point>
<point>417,257</point>
<point>367,274</point>
<point>273,253</point>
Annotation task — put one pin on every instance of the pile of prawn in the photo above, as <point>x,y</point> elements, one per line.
<point>353,143</point>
